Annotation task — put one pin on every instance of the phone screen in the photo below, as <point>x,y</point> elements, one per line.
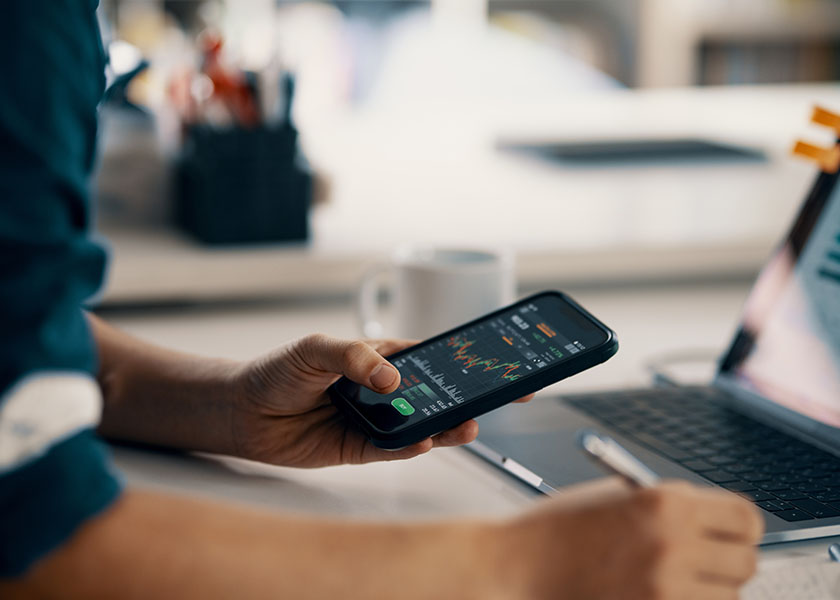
<point>484,357</point>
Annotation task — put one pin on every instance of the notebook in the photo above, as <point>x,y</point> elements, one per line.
<point>811,578</point>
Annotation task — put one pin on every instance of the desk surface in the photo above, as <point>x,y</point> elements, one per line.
<point>444,483</point>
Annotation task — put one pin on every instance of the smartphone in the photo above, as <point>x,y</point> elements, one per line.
<point>477,367</point>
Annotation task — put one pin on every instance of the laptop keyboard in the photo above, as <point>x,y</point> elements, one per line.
<point>777,472</point>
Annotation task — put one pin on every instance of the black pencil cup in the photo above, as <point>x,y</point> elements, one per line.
<point>238,186</point>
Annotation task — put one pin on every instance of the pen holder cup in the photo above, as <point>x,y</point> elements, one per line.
<point>242,186</point>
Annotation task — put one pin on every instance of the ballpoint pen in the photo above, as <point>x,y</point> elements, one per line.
<point>613,457</point>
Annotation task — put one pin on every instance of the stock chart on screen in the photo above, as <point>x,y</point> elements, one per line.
<point>479,359</point>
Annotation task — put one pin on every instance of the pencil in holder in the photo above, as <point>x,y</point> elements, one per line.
<point>238,185</point>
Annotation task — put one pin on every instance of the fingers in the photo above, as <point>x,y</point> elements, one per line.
<point>403,453</point>
<point>462,434</point>
<point>389,346</point>
<point>723,562</point>
<point>716,514</point>
<point>729,517</point>
<point>713,533</point>
<point>356,360</point>
<point>655,542</point>
<point>524,399</point>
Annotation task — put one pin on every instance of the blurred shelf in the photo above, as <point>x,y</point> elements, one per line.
<point>164,266</point>
<point>775,21</point>
<point>673,35</point>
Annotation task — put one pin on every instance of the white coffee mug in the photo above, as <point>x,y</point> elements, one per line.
<point>435,289</point>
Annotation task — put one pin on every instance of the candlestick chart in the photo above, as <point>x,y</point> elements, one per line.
<point>444,373</point>
<point>461,346</point>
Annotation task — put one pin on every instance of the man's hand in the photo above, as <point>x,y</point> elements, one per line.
<point>604,540</point>
<point>596,541</point>
<point>283,415</point>
<point>274,409</point>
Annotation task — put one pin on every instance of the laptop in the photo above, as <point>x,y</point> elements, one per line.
<point>633,151</point>
<point>767,427</point>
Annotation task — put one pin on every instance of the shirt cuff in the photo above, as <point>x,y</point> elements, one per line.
<point>44,501</point>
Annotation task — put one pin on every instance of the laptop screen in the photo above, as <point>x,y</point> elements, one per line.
<point>788,347</point>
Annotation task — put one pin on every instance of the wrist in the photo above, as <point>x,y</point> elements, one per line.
<point>508,558</point>
<point>218,386</point>
<point>157,396</point>
<point>479,565</point>
<point>536,555</point>
<point>177,401</point>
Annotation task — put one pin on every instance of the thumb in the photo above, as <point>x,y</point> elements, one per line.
<point>355,359</point>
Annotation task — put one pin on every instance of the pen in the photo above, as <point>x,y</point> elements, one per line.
<point>613,457</point>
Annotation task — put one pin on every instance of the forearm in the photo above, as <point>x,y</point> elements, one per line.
<point>155,546</point>
<point>158,396</point>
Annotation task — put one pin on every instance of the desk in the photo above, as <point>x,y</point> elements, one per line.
<point>444,483</point>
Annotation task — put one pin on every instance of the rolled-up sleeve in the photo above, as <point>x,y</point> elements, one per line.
<point>54,472</point>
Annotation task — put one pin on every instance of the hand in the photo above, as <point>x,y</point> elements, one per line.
<point>604,540</point>
<point>283,415</point>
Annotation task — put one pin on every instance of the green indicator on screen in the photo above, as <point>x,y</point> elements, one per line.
<point>402,405</point>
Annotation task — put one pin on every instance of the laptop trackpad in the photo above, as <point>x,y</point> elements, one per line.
<point>542,437</point>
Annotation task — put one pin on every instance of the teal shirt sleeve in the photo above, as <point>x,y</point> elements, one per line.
<point>54,472</point>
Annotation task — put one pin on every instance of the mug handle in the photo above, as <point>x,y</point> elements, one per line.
<point>368,301</point>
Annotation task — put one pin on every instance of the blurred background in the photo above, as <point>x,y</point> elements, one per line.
<point>258,157</point>
<point>275,149</point>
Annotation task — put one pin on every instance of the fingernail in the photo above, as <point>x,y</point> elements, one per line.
<point>383,376</point>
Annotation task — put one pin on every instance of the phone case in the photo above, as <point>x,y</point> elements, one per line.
<point>343,390</point>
